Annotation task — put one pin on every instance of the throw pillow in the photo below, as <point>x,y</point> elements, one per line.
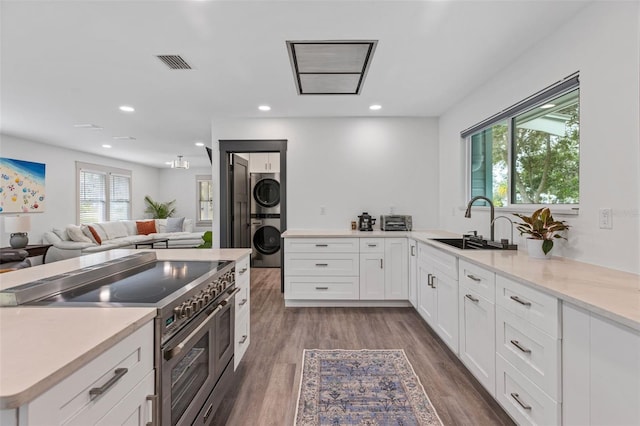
<point>62,233</point>
<point>91,233</point>
<point>115,229</point>
<point>146,227</point>
<point>174,224</point>
<point>75,233</point>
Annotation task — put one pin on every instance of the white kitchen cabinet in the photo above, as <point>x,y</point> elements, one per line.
<point>384,269</point>
<point>438,293</point>
<point>600,370</point>
<point>242,327</point>
<point>321,269</point>
<point>477,323</point>
<point>124,373</point>
<point>264,162</point>
<point>372,276</point>
<point>413,273</point>
<point>396,269</point>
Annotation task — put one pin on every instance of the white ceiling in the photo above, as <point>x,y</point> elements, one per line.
<point>75,62</point>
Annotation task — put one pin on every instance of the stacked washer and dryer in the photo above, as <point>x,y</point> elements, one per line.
<point>265,220</point>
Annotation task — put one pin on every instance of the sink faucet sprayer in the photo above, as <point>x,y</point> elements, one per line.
<point>481,197</point>
<point>505,217</point>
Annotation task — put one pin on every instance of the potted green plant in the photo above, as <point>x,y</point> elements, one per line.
<point>542,228</point>
<point>159,210</point>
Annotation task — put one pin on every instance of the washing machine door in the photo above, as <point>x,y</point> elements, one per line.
<point>267,192</point>
<point>266,240</point>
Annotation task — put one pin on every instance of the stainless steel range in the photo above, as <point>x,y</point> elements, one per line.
<point>194,325</point>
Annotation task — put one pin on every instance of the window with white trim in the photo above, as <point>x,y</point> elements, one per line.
<point>104,193</point>
<point>529,154</point>
<point>204,201</point>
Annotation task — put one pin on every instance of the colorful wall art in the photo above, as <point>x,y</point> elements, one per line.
<point>21,186</point>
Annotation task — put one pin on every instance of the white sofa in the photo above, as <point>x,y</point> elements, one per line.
<point>68,242</point>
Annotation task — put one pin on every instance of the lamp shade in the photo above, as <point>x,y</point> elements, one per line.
<point>17,224</point>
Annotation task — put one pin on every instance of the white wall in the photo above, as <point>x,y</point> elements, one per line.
<point>60,181</point>
<point>349,165</point>
<point>180,185</point>
<point>602,42</point>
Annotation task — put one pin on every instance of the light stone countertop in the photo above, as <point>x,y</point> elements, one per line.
<point>607,292</point>
<point>40,346</point>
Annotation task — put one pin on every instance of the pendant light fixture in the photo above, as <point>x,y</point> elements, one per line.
<point>179,163</point>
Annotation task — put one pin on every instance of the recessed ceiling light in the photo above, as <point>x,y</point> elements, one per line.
<point>375,107</point>
<point>199,144</point>
<point>264,108</point>
<point>127,108</point>
<point>168,163</point>
<point>106,146</point>
<point>88,126</point>
<point>546,106</point>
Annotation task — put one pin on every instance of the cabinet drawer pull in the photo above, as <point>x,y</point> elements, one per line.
<point>322,245</point>
<point>519,401</point>
<point>519,346</point>
<point>380,263</point>
<point>242,302</point>
<point>322,288</point>
<point>243,270</point>
<point>431,283</point>
<point>154,409</point>
<point>474,278</point>
<point>322,264</point>
<point>520,301</point>
<point>244,339</point>
<point>473,299</point>
<point>96,392</point>
<point>372,245</point>
<point>413,250</point>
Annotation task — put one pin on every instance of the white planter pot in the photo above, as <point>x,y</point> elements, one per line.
<point>534,247</point>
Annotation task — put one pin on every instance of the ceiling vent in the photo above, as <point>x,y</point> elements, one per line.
<point>175,62</point>
<point>330,67</point>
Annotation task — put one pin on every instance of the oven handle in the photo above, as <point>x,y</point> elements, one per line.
<point>169,354</point>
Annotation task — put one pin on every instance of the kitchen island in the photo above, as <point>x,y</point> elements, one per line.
<point>41,347</point>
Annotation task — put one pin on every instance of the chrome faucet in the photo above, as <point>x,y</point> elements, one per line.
<point>504,217</point>
<point>473,200</point>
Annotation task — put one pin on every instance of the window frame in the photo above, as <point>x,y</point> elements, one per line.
<point>509,115</point>
<point>199,221</point>
<point>108,172</point>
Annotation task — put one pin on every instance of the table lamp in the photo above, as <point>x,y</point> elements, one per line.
<point>18,226</point>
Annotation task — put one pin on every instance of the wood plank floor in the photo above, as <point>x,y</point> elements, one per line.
<point>269,374</point>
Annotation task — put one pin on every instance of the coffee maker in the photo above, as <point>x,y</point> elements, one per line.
<point>366,222</point>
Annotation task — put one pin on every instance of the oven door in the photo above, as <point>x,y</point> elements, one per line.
<point>193,360</point>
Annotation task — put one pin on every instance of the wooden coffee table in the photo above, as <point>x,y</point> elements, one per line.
<point>151,242</point>
<point>33,250</point>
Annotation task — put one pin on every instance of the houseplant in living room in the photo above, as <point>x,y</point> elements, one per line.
<point>542,229</point>
<point>159,210</point>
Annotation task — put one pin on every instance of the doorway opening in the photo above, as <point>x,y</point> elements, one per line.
<point>253,198</point>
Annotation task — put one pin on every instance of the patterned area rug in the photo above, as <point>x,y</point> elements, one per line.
<point>365,387</point>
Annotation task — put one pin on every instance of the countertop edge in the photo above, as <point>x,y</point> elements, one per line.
<point>35,390</point>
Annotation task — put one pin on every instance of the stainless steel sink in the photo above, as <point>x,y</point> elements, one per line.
<point>474,243</point>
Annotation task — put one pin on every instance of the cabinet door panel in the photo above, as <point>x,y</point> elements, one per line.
<point>413,273</point>
<point>426,297</point>
<point>396,269</point>
<point>133,409</point>
<point>371,276</point>
<point>447,308</point>
<point>477,337</point>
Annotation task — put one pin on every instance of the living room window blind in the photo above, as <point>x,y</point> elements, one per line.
<point>104,193</point>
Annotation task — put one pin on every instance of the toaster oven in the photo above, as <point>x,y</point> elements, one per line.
<point>395,222</point>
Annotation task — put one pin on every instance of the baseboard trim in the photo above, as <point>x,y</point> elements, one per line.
<point>347,303</point>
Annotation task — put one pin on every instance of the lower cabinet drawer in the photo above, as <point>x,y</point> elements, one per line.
<point>534,353</point>
<point>116,372</point>
<point>524,401</point>
<point>242,300</point>
<point>318,264</point>
<point>242,338</point>
<point>322,288</point>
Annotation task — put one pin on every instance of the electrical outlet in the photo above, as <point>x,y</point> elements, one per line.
<point>323,210</point>
<point>605,218</point>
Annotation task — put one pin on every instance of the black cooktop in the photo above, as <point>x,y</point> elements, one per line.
<point>147,284</point>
